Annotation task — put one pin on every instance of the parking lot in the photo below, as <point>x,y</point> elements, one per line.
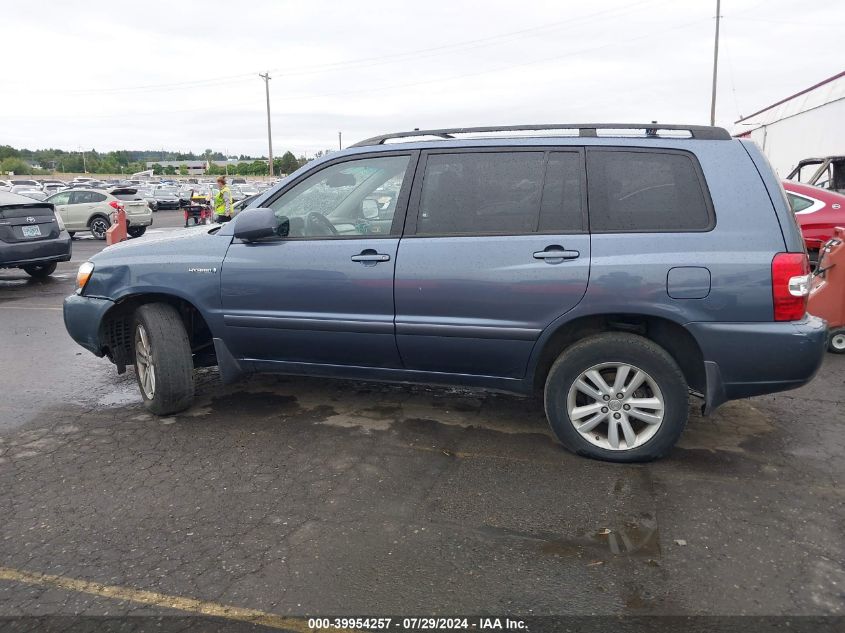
<point>293,497</point>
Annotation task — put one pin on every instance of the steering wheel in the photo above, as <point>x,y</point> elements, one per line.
<point>316,224</point>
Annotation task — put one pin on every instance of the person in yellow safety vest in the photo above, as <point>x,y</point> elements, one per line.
<point>222,201</point>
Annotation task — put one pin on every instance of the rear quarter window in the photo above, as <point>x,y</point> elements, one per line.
<point>797,203</point>
<point>634,191</point>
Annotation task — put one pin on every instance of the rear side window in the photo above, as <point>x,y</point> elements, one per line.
<point>645,191</point>
<point>798,203</point>
<point>501,193</point>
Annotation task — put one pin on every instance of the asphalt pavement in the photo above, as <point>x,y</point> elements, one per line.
<point>292,497</point>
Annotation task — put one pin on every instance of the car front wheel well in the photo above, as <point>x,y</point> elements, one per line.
<point>116,329</point>
<point>671,336</point>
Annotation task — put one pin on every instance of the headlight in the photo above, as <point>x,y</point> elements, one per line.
<point>83,275</point>
<point>59,221</point>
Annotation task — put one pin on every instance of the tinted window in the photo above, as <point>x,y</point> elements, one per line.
<point>491,192</point>
<point>645,191</point>
<point>798,203</point>
<point>561,205</point>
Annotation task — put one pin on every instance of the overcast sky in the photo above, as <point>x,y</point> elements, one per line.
<point>183,76</point>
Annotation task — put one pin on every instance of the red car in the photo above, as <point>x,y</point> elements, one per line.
<point>818,211</point>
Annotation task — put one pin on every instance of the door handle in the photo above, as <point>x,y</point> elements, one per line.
<point>556,252</point>
<point>370,255</point>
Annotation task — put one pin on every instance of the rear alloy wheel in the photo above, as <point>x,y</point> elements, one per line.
<point>39,271</point>
<point>617,397</point>
<point>136,231</point>
<point>99,225</point>
<point>836,341</point>
<point>164,365</point>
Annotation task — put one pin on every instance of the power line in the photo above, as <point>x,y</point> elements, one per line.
<point>366,62</point>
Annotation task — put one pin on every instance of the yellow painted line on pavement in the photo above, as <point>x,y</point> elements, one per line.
<point>29,308</point>
<point>152,598</point>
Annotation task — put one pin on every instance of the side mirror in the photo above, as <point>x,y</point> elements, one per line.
<point>254,224</point>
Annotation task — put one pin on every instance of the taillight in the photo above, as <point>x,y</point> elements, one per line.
<point>790,285</point>
<point>114,204</point>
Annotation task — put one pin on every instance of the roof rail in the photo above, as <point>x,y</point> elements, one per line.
<point>703,132</point>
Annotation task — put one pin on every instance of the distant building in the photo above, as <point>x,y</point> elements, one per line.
<point>807,124</point>
<point>196,167</point>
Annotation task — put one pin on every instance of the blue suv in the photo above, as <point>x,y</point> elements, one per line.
<point>617,269</point>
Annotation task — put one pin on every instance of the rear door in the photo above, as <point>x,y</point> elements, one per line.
<point>496,247</point>
<point>79,210</point>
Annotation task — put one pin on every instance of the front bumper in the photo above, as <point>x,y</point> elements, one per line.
<point>752,359</point>
<point>83,317</point>
<point>15,254</point>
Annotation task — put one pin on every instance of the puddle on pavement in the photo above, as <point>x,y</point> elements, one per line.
<point>635,538</point>
<point>728,429</point>
<point>366,406</point>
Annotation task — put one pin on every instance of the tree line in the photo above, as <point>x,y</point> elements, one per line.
<point>47,161</point>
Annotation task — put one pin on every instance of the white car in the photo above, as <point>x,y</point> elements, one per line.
<point>91,210</point>
<point>29,192</point>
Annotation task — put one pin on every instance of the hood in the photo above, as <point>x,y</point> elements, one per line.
<point>169,244</point>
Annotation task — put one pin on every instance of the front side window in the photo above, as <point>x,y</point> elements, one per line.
<point>350,199</point>
<point>80,197</point>
<point>645,191</point>
<point>60,198</point>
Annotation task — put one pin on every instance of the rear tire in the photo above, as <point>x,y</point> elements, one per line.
<point>836,341</point>
<point>585,383</point>
<point>136,231</point>
<point>40,271</point>
<point>164,365</point>
<point>99,224</point>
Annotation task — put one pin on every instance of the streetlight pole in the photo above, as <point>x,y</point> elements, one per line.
<point>715,65</point>
<point>266,77</point>
<point>340,140</point>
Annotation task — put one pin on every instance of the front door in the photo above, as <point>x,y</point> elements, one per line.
<point>496,248</point>
<point>324,293</point>
<point>61,201</point>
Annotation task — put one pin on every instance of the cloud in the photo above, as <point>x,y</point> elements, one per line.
<point>183,76</point>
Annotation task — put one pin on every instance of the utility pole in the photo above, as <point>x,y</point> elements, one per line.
<point>715,65</point>
<point>266,77</point>
<point>340,140</point>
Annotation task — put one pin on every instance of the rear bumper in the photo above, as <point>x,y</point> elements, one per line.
<point>25,253</point>
<point>140,219</point>
<point>83,316</point>
<point>752,359</point>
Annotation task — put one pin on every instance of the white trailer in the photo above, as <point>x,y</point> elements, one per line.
<point>810,123</point>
